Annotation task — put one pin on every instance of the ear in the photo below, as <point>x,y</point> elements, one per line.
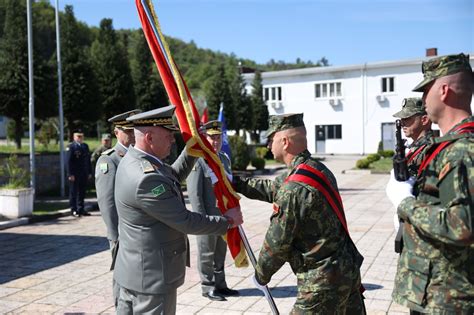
<point>286,142</point>
<point>148,137</point>
<point>424,120</point>
<point>444,92</point>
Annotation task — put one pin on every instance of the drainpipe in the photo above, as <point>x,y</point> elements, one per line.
<point>364,102</point>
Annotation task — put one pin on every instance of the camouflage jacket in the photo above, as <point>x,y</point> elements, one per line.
<point>304,231</point>
<point>417,152</point>
<point>436,267</point>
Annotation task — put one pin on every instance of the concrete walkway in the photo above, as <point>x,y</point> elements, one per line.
<point>61,266</point>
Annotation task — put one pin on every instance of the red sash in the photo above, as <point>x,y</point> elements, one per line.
<point>412,155</point>
<point>437,148</point>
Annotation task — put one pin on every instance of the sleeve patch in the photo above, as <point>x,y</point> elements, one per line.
<point>158,190</point>
<point>104,168</point>
<point>445,170</point>
<point>276,208</point>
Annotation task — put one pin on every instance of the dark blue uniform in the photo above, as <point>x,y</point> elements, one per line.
<point>79,166</point>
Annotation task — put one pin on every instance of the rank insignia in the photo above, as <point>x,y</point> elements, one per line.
<point>104,168</point>
<point>158,190</point>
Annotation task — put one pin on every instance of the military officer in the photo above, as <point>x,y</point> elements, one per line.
<point>435,269</point>
<point>79,170</point>
<point>106,144</point>
<point>417,126</point>
<point>153,219</point>
<point>211,248</point>
<point>308,227</point>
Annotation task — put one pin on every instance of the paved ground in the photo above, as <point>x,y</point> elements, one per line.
<point>61,266</point>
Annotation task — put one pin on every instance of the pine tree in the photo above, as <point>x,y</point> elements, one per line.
<point>217,93</point>
<point>240,102</point>
<point>112,70</point>
<point>259,107</point>
<point>80,101</point>
<point>149,90</point>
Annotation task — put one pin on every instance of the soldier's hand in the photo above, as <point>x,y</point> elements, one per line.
<point>397,191</point>
<point>71,178</point>
<point>234,215</point>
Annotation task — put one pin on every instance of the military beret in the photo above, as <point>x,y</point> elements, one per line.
<point>120,120</point>
<point>442,66</point>
<point>213,127</point>
<point>162,117</point>
<point>282,122</point>
<point>410,107</point>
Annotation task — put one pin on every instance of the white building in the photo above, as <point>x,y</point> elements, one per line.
<point>347,109</point>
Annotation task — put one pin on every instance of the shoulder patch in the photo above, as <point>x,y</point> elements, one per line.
<point>276,208</point>
<point>108,152</point>
<point>104,168</point>
<point>444,171</point>
<point>147,167</point>
<point>158,190</point>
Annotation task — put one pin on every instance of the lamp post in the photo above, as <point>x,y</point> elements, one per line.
<point>31,104</point>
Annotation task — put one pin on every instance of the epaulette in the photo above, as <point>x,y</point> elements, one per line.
<point>108,152</point>
<point>147,167</point>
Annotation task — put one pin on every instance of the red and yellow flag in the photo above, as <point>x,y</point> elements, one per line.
<point>188,119</point>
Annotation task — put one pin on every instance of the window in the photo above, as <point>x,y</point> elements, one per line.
<point>325,90</point>
<point>388,84</point>
<point>328,132</point>
<point>272,94</point>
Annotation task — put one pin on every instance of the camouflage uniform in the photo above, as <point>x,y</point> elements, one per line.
<point>305,232</point>
<point>436,268</point>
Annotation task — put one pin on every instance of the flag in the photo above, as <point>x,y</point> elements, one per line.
<point>204,117</point>
<point>188,119</point>
<point>225,139</point>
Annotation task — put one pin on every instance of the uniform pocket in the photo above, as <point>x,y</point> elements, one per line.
<point>174,261</point>
<point>417,278</point>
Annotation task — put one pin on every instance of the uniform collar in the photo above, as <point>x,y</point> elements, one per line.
<point>122,147</point>
<point>300,158</point>
<point>465,120</point>
<point>153,158</point>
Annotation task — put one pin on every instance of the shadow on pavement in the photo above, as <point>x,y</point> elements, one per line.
<point>371,286</point>
<point>26,254</point>
<point>277,292</point>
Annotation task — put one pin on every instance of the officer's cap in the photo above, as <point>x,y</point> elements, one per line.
<point>120,120</point>
<point>213,127</point>
<point>410,107</point>
<point>442,66</point>
<point>282,122</point>
<point>78,132</point>
<point>162,117</point>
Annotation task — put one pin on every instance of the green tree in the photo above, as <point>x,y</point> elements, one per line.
<point>240,102</point>
<point>259,107</point>
<point>112,69</point>
<point>149,90</point>
<point>80,90</point>
<point>217,93</point>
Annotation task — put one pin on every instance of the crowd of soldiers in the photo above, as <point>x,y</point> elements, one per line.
<point>142,205</point>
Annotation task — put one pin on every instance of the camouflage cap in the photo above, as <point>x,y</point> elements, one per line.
<point>120,120</point>
<point>442,66</point>
<point>160,117</point>
<point>106,136</point>
<point>283,122</point>
<point>410,107</point>
<point>213,127</point>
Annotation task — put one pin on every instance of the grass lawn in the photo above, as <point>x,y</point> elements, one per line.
<point>47,207</point>
<point>383,165</point>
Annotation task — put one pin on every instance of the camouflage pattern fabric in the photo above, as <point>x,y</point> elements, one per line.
<point>436,268</point>
<point>411,106</point>
<point>305,232</point>
<point>283,122</point>
<point>415,161</point>
<point>442,66</point>
<point>97,153</point>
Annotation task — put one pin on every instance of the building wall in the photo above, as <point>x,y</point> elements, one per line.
<point>360,110</point>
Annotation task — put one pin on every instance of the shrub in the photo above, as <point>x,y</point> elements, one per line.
<point>380,148</point>
<point>258,163</point>
<point>387,153</point>
<point>373,157</point>
<point>261,152</point>
<point>362,163</point>
<point>240,153</point>
<point>18,176</point>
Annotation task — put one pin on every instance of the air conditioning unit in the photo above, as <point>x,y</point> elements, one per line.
<point>381,98</point>
<point>334,101</point>
<point>277,105</point>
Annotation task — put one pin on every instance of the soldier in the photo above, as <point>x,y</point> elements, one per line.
<point>211,248</point>
<point>435,269</point>
<point>153,219</point>
<point>308,227</point>
<point>106,143</point>
<point>417,126</point>
<point>79,171</point>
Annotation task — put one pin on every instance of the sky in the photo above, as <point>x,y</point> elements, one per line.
<point>346,32</point>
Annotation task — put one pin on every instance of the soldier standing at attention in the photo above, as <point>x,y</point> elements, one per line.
<point>435,270</point>
<point>417,126</point>
<point>308,228</point>
<point>153,219</point>
<point>211,248</point>
<point>79,170</point>
<point>106,143</point>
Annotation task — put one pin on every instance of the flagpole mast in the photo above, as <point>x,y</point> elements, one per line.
<point>31,105</point>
